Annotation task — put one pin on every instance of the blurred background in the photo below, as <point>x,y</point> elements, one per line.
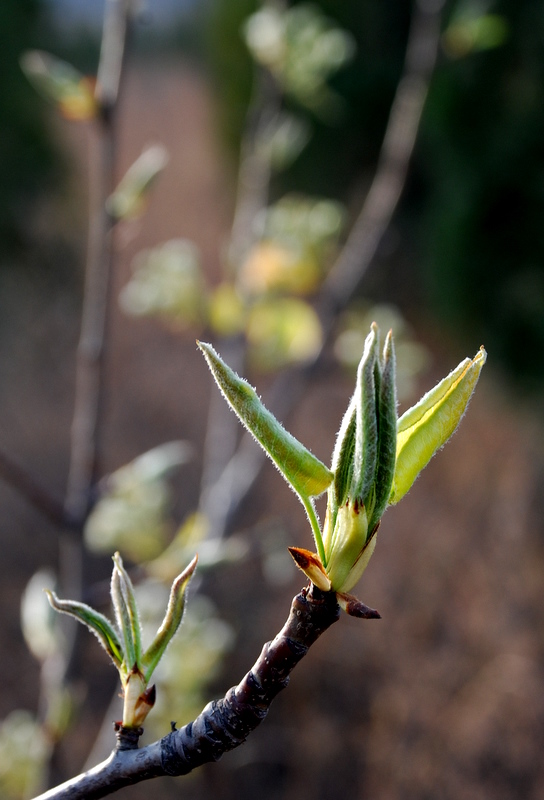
<point>444,697</point>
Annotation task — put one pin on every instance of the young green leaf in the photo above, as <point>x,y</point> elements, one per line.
<point>426,427</point>
<point>96,622</point>
<point>342,457</point>
<point>170,623</point>
<point>308,476</point>
<point>387,432</point>
<point>366,435</point>
<point>349,542</point>
<point>128,611</point>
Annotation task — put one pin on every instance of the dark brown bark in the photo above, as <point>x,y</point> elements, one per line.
<point>223,724</point>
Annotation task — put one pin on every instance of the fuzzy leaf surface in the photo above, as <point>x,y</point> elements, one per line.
<point>426,427</point>
<point>308,476</point>
<point>96,622</point>
<point>171,621</point>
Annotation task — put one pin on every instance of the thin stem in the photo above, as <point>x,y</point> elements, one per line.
<point>87,420</point>
<point>316,530</point>
<point>37,495</point>
<point>397,148</point>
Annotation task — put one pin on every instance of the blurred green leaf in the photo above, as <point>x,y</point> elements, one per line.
<point>129,200</point>
<point>302,48</point>
<point>37,618</point>
<point>133,513</point>
<point>61,83</point>
<point>273,266</point>
<point>167,282</point>
<point>284,139</point>
<point>472,29</point>
<point>226,310</point>
<point>282,331</point>
<point>296,238</point>
<point>24,752</point>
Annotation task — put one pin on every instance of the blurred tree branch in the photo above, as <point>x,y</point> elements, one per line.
<point>85,444</point>
<point>56,672</point>
<point>37,495</point>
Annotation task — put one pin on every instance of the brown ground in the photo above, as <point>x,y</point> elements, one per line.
<point>444,697</point>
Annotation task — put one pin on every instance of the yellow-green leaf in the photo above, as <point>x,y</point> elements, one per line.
<point>282,330</point>
<point>426,427</point>
<point>349,541</point>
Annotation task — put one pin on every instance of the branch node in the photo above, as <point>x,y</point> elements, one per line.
<point>127,738</point>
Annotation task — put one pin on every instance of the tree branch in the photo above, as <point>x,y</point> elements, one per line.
<point>33,492</point>
<point>92,343</point>
<point>224,724</point>
<point>89,393</point>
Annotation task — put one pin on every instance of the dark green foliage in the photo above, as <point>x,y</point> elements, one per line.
<point>231,65</point>
<point>25,153</point>
<point>481,156</point>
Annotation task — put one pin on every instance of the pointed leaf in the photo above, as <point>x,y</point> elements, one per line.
<point>426,427</point>
<point>308,476</point>
<point>96,622</point>
<point>171,621</point>
<point>366,435</point>
<point>342,457</point>
<point>132,632</point>
<point>387,432</point>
